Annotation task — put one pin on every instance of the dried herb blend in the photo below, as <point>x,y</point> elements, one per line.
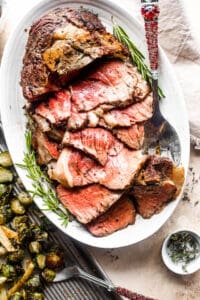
<point>183,248</point>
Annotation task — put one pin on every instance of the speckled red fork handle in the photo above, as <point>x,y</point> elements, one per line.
<point>150,12</point>
<point>130,295</point>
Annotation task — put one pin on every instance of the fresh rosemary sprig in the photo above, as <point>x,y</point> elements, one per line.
<point>136,56</point>
<point>41,184</point>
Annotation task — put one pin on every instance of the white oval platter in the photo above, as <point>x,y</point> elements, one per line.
<point>14,121</point>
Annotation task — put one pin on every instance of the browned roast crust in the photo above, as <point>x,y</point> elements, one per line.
<point>59,44</point>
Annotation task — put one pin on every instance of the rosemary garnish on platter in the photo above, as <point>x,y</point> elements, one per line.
<point>136,56</point>
<point>41,184</point>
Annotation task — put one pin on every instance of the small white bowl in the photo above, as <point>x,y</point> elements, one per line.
<point>177,268</point>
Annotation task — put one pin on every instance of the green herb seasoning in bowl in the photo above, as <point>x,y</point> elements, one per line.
<point>181,252</point>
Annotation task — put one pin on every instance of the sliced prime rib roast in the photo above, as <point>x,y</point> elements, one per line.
<point>74,168</point>
<point>122,76</point>
<point>151,199</point>
<point>61,43</point>
<point>97,142</point>
<point>46,150</point>
<point>120,215</point>
<point>157,183</point>
<point>100,143</point>
<point>87,203</point>
<point>137,112</point>
<point>112,82</point>
<point>132,136</point>
<point>95,96</point>
<point>57,109</point>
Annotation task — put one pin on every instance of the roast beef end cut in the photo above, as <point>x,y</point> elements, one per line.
<point>119,216</point>
<point>150,199</point>
<point>158,182</point>
<point>87,203</point>
<point>61,43</point>
<point>156,168</point>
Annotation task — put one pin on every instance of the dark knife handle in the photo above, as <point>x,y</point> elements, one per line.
<point>150,12</point>
<point>130,295</point>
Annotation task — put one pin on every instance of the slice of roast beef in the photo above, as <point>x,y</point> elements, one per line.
<point>112,82</point>
<point>97,142</point>
<point>132,136</point>
<point>88,202</point>
<point>156,168</point>
<point>61,43</point>
<point>152,198</point>
<point>46,150</point>
<point>119,216</point>
<point>57,108</point>
<point>73,168</point>
<point>154,185</point>
<point>113,72</point>
<point>54,133</point>
<point>137,112</point>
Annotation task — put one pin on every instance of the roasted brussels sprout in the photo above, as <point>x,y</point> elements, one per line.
<point>38,234</point>
<point>54,260</point>
<point>5,190</point>
<point>24,233</point>
<point>5,214</point>
<point>34,284</point>
<point>35,247</point>
<point>5,159</point>
<point>48,274</point>
<point>5,175</point>
<point>9,272</point>
<point>40,260</point>
<point>18,221</point>
<point>16,257</point>
<point>35,296</point>
<point>24,198</point>
<point>16,207</point>
<point>17,296</point>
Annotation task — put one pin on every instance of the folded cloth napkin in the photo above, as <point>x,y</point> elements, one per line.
<point>179,28</point>
<point>178,35</point>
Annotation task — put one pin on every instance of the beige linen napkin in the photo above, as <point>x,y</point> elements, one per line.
<point>182,46</point>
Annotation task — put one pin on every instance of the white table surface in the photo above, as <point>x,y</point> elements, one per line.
<point>139,267</point>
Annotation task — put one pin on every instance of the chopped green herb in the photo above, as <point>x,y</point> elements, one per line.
<point>136,56</point>
<point>183,248</point>
<point>41,184</point>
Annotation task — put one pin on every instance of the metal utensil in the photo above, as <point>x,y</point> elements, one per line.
<point>160,136</point>
<point>74,271</point>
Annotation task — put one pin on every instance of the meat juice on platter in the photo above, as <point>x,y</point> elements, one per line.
<point>88,105</point>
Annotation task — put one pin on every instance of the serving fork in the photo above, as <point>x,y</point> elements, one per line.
<point>74,271</point>
<point>160,136</point>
